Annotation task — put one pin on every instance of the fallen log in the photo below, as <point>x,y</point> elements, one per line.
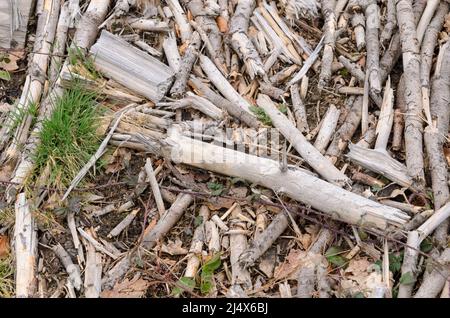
<point>295,183</point>
<point>14,17</point>
<point>131,67</point>
<point>26,243</point>
<point>413,95</point>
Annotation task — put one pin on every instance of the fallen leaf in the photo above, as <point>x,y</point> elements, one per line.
<point>134,288</point>
<point>359,278</point>
<point>290,264</point>
<point>174,248</point>
<point>217,203</point>
<point>10,63</point>
<point>119,160</point>
<point>239,192</point>
<point>306,240</point>
<point>4,246</point>
<point>5,107</point>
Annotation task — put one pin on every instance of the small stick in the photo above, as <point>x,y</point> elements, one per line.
<point>219,222</point>
<point>71,269</point>
<point>98,246</point>
<point>155,187</point>
<point>299,109</point>
<point>238,245</point>
<point>167,221</point>
<point>123,224</point>
<point>186,64</point>
<point>93,272</point>
<point>198,239</point>
<point>329,41</point>
<point>391,23</point>
<point>73,232</point>
<point>351,90</point>
<point>327,128</point>
<point>107,209</point>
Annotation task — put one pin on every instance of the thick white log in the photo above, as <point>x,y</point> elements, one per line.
<point>296,183</point>
<point>14,15</point>
<point>25,238</point>
<point>131,67</point>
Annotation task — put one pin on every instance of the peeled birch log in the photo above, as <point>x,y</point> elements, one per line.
<point>198,239</point>
<point>413,95</point>
<point>14,17</point>
<point>151,177</point>
<point>381,163</point>
<point>426,55</point>
<point>181,20</point>
<point>168,220</point>
<point>295,183</point>
<point>171,51</point>
<point>147,24</point>
<point>59,45</point>
<point>426,18</point>
<point>311,155</point>
<point>93,272</point>
<point>435,135</point>
<point>373,45</point>
<point>310,267</point>
<point>415,238</point>
<point>327,128</point>
<point>265,240</point>
<point>205,14</point>
<point>329,41</point>
<point>131,67</point>
<point>344,134</point>
<point>409,265</point>
<point>358,24</point>
<point>25,245</point>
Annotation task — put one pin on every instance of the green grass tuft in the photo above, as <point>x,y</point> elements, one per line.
<point>261,115</point>
<point>6,278</point>
<point>78,58</point>
<point>68,137</point>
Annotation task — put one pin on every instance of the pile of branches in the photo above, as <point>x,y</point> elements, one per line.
<point>339,114</point>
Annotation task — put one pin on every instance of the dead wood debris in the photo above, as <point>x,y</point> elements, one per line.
<point>252,148</point>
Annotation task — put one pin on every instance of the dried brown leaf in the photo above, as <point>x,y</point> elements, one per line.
<point>290,264</point>
<point>174,248</point>
<point>119,160</point>
<point>13,57</point>
<point>4,246</point>
<point>134,288</point>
